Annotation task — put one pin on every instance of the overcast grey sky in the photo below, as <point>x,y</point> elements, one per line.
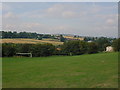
<point>80,18</point>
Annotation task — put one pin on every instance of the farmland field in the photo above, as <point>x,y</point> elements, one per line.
<point>31,41</point>
<point>84,71</point>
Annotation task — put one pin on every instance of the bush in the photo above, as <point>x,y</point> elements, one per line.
<point>23,48</point>
<point>43,50</point>
<point>116,44</point>
<point>92,47</point>
<point>74,47</point>
<point>68,48</point>
<point>8,50</point>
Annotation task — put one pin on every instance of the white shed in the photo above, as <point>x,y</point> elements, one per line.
<point>109,49</point>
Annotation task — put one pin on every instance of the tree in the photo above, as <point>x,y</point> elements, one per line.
<point>43,50</point>
<point>83,47</point>
<point>39,38</point>
<point>62,39</point>
<point>23,48</point>
<point>92,47</point>
<point>8,50</point>
<point>0,50</point>
<point>116,44</point>
<point>74,47</point>
<point>102,43</point>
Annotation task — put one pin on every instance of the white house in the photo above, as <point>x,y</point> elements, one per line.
<point>109,49</point>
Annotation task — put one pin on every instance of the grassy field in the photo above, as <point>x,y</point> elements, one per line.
<point>84,71</point>
<point>31,41</point>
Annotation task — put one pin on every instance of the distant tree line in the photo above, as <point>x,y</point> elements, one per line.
<point>15,34</point>
<point>102,41</point>
<point>68,48</point>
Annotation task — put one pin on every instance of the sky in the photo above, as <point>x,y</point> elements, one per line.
<point>79,18</point>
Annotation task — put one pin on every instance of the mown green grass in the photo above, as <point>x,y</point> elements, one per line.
<point>84,71</point>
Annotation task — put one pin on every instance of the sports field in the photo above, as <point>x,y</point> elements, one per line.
<point>83,71</point>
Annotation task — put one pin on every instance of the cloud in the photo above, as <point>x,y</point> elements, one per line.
<point>22,25</point>
<point>10,15</point>
<point>110,21</point>
<point>83,19</point>
<point>6,7</point>
<point>64,11</point>
<point>56,11</point>
<point>38,27</point>
<point>69,14</point>
<point>32,25</point>
<point>55,8</point>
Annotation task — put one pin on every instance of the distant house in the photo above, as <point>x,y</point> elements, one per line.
<point>109,49</point>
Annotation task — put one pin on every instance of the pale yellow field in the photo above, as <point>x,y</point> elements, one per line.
<point>30,41</point>
<point>71,37</point>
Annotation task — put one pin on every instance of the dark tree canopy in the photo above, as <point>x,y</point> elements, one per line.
<point>116,44</point>
<point>92,47</point>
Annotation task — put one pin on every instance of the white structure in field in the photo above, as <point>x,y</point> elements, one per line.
<point>24,54</point>
<point>109,49</point>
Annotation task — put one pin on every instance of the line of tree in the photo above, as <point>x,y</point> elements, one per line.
<point>78,48</point>
<point>15,34</point>
<point>37,50</point>
<point>68,48</point>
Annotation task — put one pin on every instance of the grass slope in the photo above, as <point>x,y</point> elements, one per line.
<point>85,71</point>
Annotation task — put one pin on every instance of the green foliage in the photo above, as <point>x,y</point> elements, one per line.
<point>71,48</point>
<point>8,50</point>
<point>116,44</point>
<point>43,50</point>
<point>24,35</point>
<point>103,42</point>
<point>83,47</point>
<point>62,39</point>
<point>0,50</point>
<point>39,38</point>
<point>36,49</point>
<point>19,35</point>
<point>92,47</point>
<point>74,47</point>
<point>23,48</point>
